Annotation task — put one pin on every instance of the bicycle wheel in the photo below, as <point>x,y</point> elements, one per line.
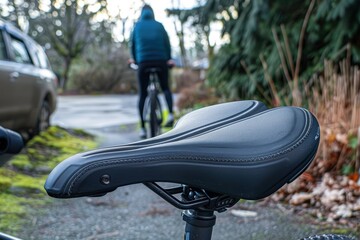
<point>152,115</point>
<point>328,237</point>
<point>155,115</point>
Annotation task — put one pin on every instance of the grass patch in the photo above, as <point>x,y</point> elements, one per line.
<point>22,178</point>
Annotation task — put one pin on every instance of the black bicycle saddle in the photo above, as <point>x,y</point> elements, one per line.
<point>246,157</point>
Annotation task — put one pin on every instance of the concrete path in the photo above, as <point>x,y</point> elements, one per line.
<point>112,118</point>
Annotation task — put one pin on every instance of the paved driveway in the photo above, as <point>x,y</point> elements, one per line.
<point>95,112</point>
<point>112,118</point>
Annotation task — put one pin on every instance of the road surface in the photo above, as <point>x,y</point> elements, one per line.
<point>112,118</point>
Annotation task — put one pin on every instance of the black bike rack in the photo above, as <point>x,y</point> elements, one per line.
<point>199,206</point>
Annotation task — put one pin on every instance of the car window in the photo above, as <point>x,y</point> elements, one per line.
<point>44,62</point>
<point>35,58</point>
<point>19,50</point>
<point>3,55</point>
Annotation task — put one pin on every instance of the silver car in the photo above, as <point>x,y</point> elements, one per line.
<point>27,83</point>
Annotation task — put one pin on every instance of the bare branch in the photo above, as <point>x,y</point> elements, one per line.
<point>274,92</point>
<point>281,54</point>
<point>288,51</point>
<point>301,42</point>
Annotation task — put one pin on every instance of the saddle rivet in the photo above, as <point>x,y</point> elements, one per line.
<point>105,179</point>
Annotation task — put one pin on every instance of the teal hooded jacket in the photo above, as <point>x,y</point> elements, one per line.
<point>149,40</point>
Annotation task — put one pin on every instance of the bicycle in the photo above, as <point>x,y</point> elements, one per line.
<point>260,150</point>
<point>152,113</point>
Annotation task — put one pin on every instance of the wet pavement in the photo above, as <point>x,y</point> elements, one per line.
<point>95,112</point>
<point>112,118</point>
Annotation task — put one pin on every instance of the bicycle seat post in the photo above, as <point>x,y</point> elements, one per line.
<point>199,220</point>
<point>199,224</point>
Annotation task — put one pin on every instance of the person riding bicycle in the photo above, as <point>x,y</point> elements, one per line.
<point>150,47</point>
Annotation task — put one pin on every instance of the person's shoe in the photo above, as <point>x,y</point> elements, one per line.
<point>142,133</point>
<point>169,121</point>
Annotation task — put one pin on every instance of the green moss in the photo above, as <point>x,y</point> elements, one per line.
<point>16,182</point>
<point>5,173</point>
<point>342,231</point>
<point>5,184</point>
<point>11,212</point>
<point>23,177</point>
<point>27,184</point>
<point>50,148</point>
<point>11,204</point>
<point>22,162</point>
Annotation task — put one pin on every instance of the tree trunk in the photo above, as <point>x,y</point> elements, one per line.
<point>209,46</point>
<point>123,31</point>
<point>180,35</point>
<point>68,61</point>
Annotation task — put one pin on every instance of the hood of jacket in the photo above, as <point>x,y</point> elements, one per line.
<point>147,14</point>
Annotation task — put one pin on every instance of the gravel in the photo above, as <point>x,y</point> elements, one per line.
<point>134,212</point>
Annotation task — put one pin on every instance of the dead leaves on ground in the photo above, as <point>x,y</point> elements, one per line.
<point>330,188</point>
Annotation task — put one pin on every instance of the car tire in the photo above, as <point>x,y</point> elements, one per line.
<point>43,121</point>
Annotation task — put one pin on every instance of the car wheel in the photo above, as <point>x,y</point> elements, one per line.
<point>43,118</point>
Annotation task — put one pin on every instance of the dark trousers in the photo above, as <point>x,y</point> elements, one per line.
<point>143,79</point>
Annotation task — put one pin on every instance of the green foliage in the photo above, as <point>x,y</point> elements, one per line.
<point>256,27</point>
<point>347,169</point>
<point>353,142</point>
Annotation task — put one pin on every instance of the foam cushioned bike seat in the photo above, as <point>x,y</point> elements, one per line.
<point>249,158</point>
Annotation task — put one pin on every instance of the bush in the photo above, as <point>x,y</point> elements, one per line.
<point>196,96</point>
<point>185,78</point>
<point>103,71</point>
<point>335,101</point>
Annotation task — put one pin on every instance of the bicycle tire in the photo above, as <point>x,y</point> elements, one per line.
<point>159,113</point>
<point>146,116</point>
<point>155,115</point>
<point>328,237</point>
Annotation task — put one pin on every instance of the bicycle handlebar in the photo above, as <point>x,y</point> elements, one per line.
<point>135,67</point>
<point>10,141</point>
